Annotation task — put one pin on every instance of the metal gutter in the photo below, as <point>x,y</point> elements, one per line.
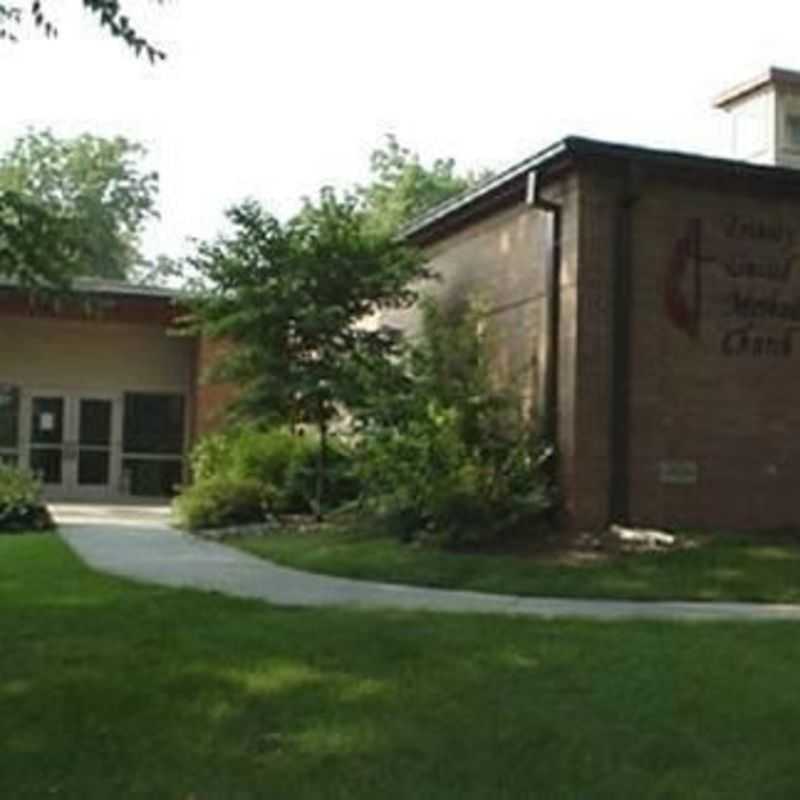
<point>549,404</point>
<point>468,198</point>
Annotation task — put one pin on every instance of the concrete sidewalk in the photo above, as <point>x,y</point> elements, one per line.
<point>138,544</point>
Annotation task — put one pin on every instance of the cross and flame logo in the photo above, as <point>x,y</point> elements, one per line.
<point>683,292</point>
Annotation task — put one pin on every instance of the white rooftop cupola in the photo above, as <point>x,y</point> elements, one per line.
<point>765,118</point>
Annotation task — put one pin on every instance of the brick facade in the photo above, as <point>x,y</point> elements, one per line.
<point>498,263</point>
<point>212,399</point>
<point>714,385</point>
<point>679,338</point>
<point>501,260</point>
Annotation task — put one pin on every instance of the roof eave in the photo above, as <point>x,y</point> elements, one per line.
<point>742,90</point>
<point>487,198</point>
<point>101,287</point>
<point>773,76</point>
<point>494,186</point>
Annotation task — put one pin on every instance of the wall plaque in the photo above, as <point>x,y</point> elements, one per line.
<point>678,473</point>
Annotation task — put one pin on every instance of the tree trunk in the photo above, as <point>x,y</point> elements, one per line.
<point>321,463</point>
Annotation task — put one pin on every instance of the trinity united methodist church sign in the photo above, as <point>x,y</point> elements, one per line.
<point>734,284</point>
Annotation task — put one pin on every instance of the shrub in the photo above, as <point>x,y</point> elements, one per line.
<point>222,501</point>
<point>246,451</point>
<point>283,462</point>
<point>452,453</point>
<point>21,504</point>
<point>341,481</point>
<point>425,477</point>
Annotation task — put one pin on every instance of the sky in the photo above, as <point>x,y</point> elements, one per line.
<point>272,100</point>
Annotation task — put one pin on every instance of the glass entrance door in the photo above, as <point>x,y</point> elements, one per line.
<point>72,445</point>
<point>9,424</point>
<point>94,442</point>
<point>47,440</point>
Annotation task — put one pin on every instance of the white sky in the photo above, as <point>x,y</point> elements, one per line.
<point>274,99</point>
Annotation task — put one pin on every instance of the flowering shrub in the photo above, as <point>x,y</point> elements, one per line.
<point>21,504</point>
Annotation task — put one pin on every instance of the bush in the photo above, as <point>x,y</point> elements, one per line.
<point>246,451</point>
<point>283,462</point>
<point>452,453</point>
<point>341,481</point>
<point>223,501</point>
<point>21,504</point>
<point>425,477</point>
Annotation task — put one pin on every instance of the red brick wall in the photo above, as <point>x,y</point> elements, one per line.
<point>588,491</point>
<point>714,436</point>
<point>576,477</point>
<point>212,399</point>
<point>498,261</point>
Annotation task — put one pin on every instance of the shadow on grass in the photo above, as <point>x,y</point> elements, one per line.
<point>143,692</point>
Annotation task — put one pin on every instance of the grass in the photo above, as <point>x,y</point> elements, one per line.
<point>110,689</point>
<point>759,568</point>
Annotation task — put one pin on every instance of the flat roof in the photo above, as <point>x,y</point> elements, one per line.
<point>512,181</point>
<point>103,286</point>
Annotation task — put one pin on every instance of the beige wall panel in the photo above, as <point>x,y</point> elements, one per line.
<point>47,353</point>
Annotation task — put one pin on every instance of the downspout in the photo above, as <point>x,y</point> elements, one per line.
<point>622,261</point>
<point>549,400</point>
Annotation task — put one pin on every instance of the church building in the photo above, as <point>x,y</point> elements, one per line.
<point>648,302</point>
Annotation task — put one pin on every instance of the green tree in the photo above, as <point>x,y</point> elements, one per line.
<point>37,249</point>
<point>402,187</point>
<point>87,199</point>
<point>296,300</point>
<point>109,14</point>
<point>37,246</point>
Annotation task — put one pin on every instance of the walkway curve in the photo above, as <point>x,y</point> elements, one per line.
<point>142,547</point>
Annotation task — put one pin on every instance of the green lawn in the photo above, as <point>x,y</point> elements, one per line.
<point>758,568</point>
<point>113,690</point>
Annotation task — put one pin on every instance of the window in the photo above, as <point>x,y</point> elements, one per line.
<point>9,424</point>
<point>153,423</point>
<point>47,421</point>
<point>153,440</point>
<point>793,130</point>
<point>46,463</point>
